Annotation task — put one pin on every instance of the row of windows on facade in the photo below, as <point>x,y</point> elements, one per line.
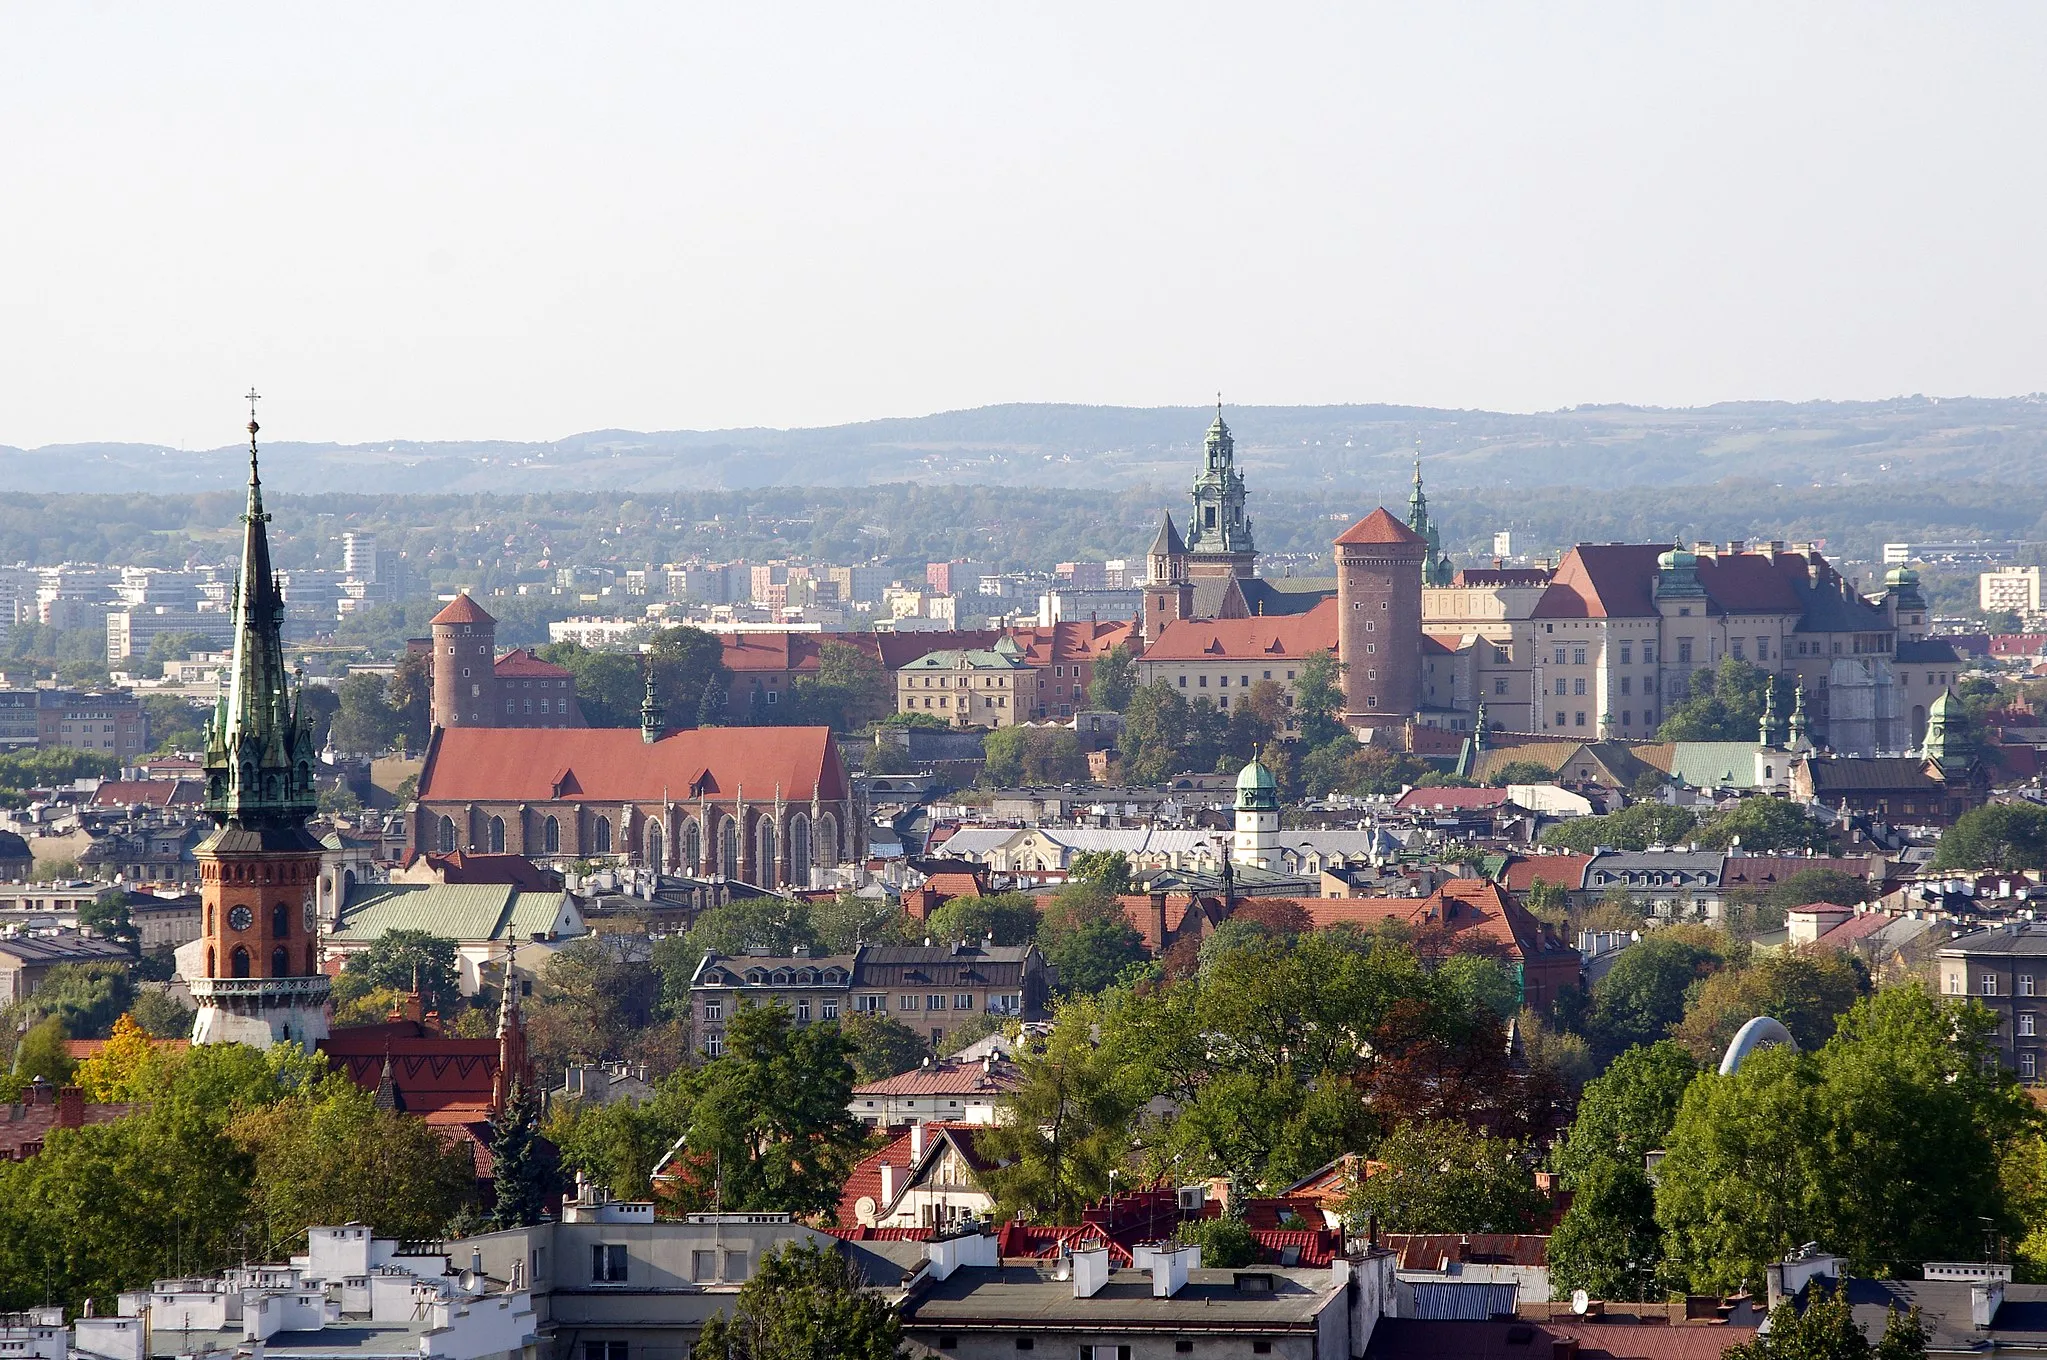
<point>238,962</point>
<point>965,701</point>
<point>1988,986</point>
<point>1627,718</point>
<point>987,682</point>
<point>1577,685</point>
<point>611,1263</point>
<point>280,920</point>
<point>878,1004</point>
<point>692,849</point>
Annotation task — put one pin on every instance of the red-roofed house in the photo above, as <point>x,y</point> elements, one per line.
<point>26,1124</point>
<point>946,1091</point>
<point>1450,798</point>
<point>515,870</point>
<point>763,805</point>
<point>1468,912</point>
<point>475,687</point>
<point>929,1177</point>
<point>1220,659</point>
<point>1521,872</point>
<point>156,793</point>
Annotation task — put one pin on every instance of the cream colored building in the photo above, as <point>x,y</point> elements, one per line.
<point>991,687</point>
<point>2012,589</point>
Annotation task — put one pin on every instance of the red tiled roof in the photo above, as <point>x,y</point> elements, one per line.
<point>1752,583</point>
<point>1450,798</point>
<point>1265,638</point>
<point>614,764</point>
<point>516,870</point>
<point>78,1050</point>
<point>437,1077</point>
<point>1761,871</point>
<point>1603,580</point>
<point>520,663</point>
<point>770,651</point>
<point>462,609</point>
<point>1428,1251</point>
<point>865,1180</point>
<point>1459,906</point>
<point>1019,1240</point>
<point>1423,740</point>
<point>1137,908</point>
<point>25,1128</point>
<point>949,884</point>
<point>947,1079</point>
<point>149,793</point>
<point>1564,871</point>
<point>1379,527</point>
<point>1857,927</point>
<point>1071,640</point>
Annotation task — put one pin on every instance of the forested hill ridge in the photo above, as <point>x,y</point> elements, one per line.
<point>1363,448</point>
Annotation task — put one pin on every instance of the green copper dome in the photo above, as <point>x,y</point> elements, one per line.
<point>1897,577</point>
<point>1257,790</point>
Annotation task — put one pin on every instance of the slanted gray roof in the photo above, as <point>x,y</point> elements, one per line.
<point>1016,1297</point>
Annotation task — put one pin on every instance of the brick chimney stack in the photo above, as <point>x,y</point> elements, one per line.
<point>71,1108</point>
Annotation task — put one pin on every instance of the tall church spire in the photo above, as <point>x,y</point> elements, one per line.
<point>259,745</point>
<point>1436,569</point>
<point>1220,530</point>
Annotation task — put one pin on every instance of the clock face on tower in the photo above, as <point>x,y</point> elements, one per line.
<point>240,918</point>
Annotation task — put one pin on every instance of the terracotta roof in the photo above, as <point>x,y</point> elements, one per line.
<point>1428,1251</point>
<point>1762,871</point>
<point>1462,905</point>
<point>865,1180</point>
<point>437,1077</point>
<point>1379,527</point>
<point>1603,580</point>
<point>615,765</point>
<point>1137,909</point>
<point>1519,873</point>
<point>78,1050</point>
<point>947,1079</point>
<point>1071,640</point>
<point>25,1127</point>
<point>1264,640</point>
<point>516,870</point>
<point>1450,798</point>
<point>462,609</point>
<point>1753,583</point>
<point>519,663</point>
<point>1860,926</point>
<point>770,651</point>
<point>149,793</point>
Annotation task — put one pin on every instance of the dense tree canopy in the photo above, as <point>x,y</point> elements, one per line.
<point>1724,704</point>
<point>1996,836</point>
<point>804,1302</point>
<point>1635,827</point>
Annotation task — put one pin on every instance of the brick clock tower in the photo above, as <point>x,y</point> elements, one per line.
<point>260,869</point>
<point>1379,564</point>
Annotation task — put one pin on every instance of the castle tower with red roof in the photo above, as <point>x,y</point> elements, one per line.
<point>259,869</point>
<point>465,690</point>
<point>1379,564</point>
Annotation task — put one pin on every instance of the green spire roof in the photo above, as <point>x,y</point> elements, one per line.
<point>1257,790</point>
<point>259,744</point>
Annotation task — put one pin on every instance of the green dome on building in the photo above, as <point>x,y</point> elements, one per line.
<point>1257,790</point>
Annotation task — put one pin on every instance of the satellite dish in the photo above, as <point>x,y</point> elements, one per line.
<point>1580,1301</point>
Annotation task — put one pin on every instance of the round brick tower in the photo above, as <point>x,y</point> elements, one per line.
<point>1379,564</point>
<point>465,657</point>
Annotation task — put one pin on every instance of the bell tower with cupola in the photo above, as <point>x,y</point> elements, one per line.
<point>1219,538</point>
<point>259,870</point>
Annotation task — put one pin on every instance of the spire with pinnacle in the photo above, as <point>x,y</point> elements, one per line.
<point>259,744</point>
<point>1772,727</point>
<point>1219,527</point>
<point>650,709</point>
<point>1436,569</point>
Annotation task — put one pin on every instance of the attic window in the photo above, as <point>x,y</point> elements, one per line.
<point>1258,1282</point>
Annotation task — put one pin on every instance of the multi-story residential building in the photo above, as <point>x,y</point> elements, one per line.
<point>132,630</point>
<point>20,718</point>
<point>980,687</point>
<point>2014,590</point>
<point>930,988</point>
<point>105,724</point>
<point>2005,968</point>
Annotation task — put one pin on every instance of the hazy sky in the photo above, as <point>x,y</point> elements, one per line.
<point>522,221</point>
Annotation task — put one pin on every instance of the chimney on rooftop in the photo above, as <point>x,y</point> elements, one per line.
<point>71,1108</point>
<point>917,1139</point>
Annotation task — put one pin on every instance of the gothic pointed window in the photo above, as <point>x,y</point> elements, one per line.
<point>497,835</point>
<point>551,836</point>
<point>447,835</point>
<point>238,963</point>
<point>280,962</point>
<point>280,922</point>
<point>601,836</point>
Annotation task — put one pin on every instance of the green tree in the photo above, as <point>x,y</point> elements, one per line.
<point>1225,1241</point>
<point>339,801</point>
<point>1636,827</point>
<point>107,917</point>
<point>1012,918</point>
<point>1806,991</point>
<point>1644,993</point>
<point>844,923</point>
<point>402,960</point>
<point>1108,870</point>
<point>1069,1126</point>
<point>600,994</point>
<point>620,1144</point>
<point>329,1155</point>
<point>1818,885</point>
<point>1725,704</point>
<point>1032,756</point>
<point>365,723</point>
<point>1825,1329</point>
<point>41,1053</point>
<point>1155,724</point>
<point>850,691</point>
<point>518,1171</point>
<point>174,724</point>
<point>1114,679</point>
<point>2005,836</point>
<point>1087,937</point>
<point>160,1015</point>
<point>610,685</point>
<point>1521,772</point>
<point>776,926</point>
<point>1758,1162</point>
<point>770,1128</point>
<point>1607,1243</point>
<point>1627,1112</point>
<point>410,697</point>
<point>86,998</point>
<point>1447,1178</point>
<point>1319,699</point>
<point>1765,823</point>
<point>882,1047</point>
<point>804,1302</point>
